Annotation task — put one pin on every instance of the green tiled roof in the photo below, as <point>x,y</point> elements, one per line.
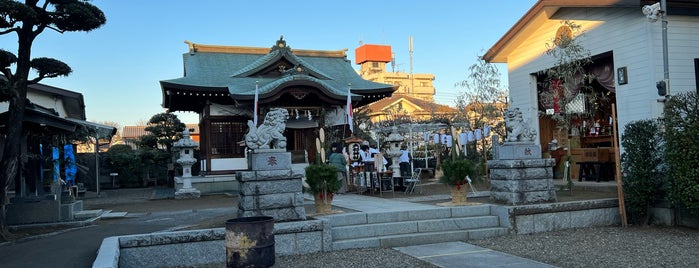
<point>222,70</point>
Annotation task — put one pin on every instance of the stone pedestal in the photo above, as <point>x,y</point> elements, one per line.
<point>187,192</point>
<point>522,181</point>
<point>271,187</point>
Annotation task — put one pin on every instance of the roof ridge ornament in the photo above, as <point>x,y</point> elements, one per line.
<point>281,45</point>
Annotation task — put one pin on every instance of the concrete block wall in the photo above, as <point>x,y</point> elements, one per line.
<point>211,184</point>
<point>537,218</point>
<point>205,247</point>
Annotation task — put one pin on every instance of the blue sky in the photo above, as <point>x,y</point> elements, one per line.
<point>118,67</point>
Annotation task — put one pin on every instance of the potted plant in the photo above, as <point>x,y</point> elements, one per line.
<point>322,184</point>
<point>455,174</point>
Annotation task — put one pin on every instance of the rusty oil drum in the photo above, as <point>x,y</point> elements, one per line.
<point>250,242</point>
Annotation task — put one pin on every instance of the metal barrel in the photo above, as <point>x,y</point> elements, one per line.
<point>250,242</point>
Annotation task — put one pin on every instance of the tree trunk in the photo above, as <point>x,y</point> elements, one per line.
<point>9,165</point>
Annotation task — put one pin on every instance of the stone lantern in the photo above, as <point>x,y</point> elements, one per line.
<point>186,147</point>
<point>395,140</point>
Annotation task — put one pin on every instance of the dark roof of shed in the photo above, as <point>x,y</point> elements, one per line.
<point>73,102</point>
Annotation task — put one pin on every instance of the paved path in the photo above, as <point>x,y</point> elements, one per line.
<point>365,203</point>
<point>78,247</point>
<point>460,254</point>
<point>450,254</point>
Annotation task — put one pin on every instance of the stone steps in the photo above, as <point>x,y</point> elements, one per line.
<point>413,227</point>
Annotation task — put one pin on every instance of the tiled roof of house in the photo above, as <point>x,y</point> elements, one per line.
<point>133,132</point>
<point>424,105</point>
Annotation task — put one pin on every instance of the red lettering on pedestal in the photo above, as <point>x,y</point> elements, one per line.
<point>272,161</point>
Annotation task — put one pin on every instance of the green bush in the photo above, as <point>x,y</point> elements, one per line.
<point>123,160</point>
<point>682,149</point>
<point>642,165</point>
<point>322,178</point>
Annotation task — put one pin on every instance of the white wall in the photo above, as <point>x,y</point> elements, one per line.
<point>224,164</point>
<point>636,43</point>
<point>40,99</point>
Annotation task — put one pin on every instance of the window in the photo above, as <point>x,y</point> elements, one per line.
<point>225,137</point>
<point>375,65</point>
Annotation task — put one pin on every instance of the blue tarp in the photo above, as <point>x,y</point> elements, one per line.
<point>69,161</point>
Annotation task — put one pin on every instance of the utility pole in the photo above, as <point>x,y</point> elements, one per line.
<point>652,12</point>
<point>666,68</point>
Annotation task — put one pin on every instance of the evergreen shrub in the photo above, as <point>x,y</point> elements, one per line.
<point>682,149</point>
<point>642,165</point>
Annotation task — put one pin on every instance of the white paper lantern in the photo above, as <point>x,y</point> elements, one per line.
<point>463,138</point>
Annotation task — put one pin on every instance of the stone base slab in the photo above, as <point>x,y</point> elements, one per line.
<point>519,198</point>
<point>187,193</point>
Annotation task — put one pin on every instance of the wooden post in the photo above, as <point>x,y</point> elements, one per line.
<point>485,156</point>
<point>617,159</point>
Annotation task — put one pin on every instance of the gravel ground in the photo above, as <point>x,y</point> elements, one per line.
<point>605,247</point>
<point>589,247</point>
<point>353,258</point>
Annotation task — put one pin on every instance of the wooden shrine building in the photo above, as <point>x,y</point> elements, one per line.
<point>220,82</point>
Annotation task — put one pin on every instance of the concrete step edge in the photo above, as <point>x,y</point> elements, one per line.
<point>423,226</point>
<point>358,218</point>
<point>419,238</point>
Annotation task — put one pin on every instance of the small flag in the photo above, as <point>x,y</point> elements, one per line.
<point>349,108</point>
<point>254,116</point>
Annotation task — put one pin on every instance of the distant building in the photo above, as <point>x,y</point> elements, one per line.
<point>372,60</point>
<point>413,99</point>
<point>405,108</point>
<point>131,134</point>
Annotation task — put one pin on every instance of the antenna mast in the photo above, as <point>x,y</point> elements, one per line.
<point>410,49</point>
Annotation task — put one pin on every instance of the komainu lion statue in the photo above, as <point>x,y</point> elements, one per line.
<point>269,135</point>
<point>517,130</point>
